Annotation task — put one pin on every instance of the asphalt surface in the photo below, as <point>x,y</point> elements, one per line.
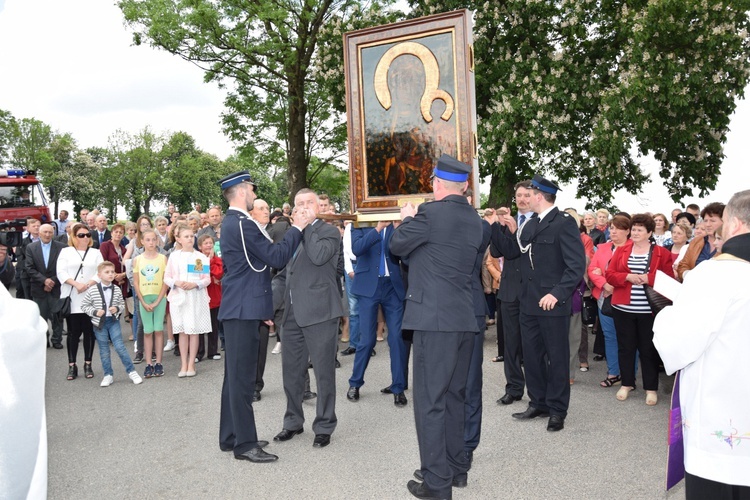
<point>160,439</point>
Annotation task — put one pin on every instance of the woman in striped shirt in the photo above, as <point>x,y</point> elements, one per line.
<point>628,271</point>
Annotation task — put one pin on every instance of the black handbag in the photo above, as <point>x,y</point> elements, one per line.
<point>606,306</point>
<point>589,311</point>
<point>656,301</point>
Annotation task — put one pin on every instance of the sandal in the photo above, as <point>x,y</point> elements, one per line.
<point>498,359</point>
<point>72,372</point>
<point>610,381</point>
<point>651,398</point>
<point>624,392</point>
<point>584,368</point>
<point>87,371</point>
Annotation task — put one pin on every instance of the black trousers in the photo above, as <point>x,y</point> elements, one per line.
<point>473,404</point>
<point>635,332</point>
<point>80,323</point>
<point>441,368</point>
<point>546,356</point>
<point>514,375</point>
<point>698,488</point>
<point>47,305</point>
<point>237,422</point>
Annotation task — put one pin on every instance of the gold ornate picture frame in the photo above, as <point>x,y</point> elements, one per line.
<point>410,98</point>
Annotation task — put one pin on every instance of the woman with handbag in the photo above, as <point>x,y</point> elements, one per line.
<point>619,231</point>
<point>76,271</point>
<point>633,268</point>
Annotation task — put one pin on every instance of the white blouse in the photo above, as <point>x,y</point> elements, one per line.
<point>68,264</point>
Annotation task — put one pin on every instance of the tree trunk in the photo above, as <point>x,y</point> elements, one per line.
<point>501,191</point>
<point>297,160</point>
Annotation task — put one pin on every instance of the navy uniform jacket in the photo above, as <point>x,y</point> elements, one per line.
<point>246,293</point>
<point>558,258</point>
<point>441,243</point>
<point>510,279</point>
<point>367,246</point>
<point>312,285</point>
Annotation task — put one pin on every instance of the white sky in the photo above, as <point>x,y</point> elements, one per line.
<point>72,64</point>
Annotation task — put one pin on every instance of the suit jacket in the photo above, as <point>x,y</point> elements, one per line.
<point>246,290</point>
<point>38,272</point>
<point>312,285</point>
<point>367,245</point>
<point>559,261</point>
<point>95,235</point>
<point>511,279</point>
<point>441,243</point>
<point>21,255</point>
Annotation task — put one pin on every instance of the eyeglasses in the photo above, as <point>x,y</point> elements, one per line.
<point>83,235</point>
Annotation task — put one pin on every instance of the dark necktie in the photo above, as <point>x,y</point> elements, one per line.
<point>521,220</point>
<point>105,288</point>
<point>381,267</point>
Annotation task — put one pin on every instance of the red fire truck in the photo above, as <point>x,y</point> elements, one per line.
<point>21,198</point>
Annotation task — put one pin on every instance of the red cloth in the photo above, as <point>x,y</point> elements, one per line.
<point>107,249</point>
<point>588,245</point>
<point>600,260</point>
<point>214,289</point>
<point>618,270</point>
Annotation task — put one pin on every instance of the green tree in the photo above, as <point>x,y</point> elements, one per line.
<point>264,52</point>
<point>581,90</point>
<point>31,145</point>
<point>135,173</point>
<point>8,129</point>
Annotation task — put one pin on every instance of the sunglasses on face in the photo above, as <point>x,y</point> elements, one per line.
<point>83,235</point>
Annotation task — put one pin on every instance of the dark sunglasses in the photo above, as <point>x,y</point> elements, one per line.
<point>83,235</point>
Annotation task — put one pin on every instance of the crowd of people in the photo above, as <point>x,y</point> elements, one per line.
<point>224,283</point>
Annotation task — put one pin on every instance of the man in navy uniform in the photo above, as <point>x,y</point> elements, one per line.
<point>440,242</point>
<point>552,264</point>
<point>377,282</point>
<point>510,306</point>
<point>246,301</point>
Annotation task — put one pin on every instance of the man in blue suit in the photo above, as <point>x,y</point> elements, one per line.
<point>377,282</point>
<point>246,301</point>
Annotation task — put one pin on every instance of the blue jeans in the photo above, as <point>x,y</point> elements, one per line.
<point>353,313</point>
<point>610,344</point>
<point>109,329</point>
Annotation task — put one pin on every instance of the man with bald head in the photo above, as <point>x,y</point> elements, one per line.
<point>100,233</point>
<point>214,223</point>
<point>41,268</point>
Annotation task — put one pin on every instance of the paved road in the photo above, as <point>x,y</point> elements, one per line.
<point>160,440</point>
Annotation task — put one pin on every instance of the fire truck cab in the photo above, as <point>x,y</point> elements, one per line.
<point>21,197</point>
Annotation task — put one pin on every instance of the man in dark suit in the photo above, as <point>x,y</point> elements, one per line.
<point>41,268</point>
<point>377,282</point>
<point>552,264</point>
<point>312,308</point>
<point>22,278</point>
<point>101,233</point>
<point>440,242</point>
<point>246,301</point>
<point>510,305</point>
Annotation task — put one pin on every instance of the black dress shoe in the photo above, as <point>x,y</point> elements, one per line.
<point>420,490</point>
<point>353,394</point>
<point>387,390</point>
<point>399,399</point>
<point>556,423</point>
<point>256,396</point>
<point>598,357</point>
<point>530,413</point>
<point>321,440</point>
<point>372,353</point>
<point>337,364</point>
<point>257,455</point>
<point>308,395</point>
<point>508,399</point>
<point>458,482</point>
<point>286,434</point>
<point>261,444</point>
<point>57,345</point>
<point>348,351</point>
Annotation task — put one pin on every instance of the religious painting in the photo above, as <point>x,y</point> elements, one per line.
<point>410,98</point>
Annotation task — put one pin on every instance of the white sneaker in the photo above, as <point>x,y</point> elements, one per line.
<point>169,346</point>
<point>107,381</point>
<point>135,377</point>
<point>277,348</point>
<point>216,356</point>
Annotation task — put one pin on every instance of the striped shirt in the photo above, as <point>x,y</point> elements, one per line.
<point>638,302</point>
